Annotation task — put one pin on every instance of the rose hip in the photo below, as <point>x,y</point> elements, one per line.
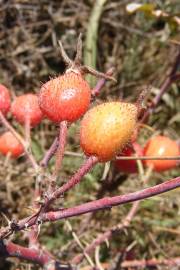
<point>161,146</point>
<point>5,101</point>
<point>9,144</point>
<point>65,98</point>
<point>107,128</point>
<point>26,108</point>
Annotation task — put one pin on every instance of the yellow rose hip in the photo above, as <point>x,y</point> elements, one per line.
<point>107,128</point>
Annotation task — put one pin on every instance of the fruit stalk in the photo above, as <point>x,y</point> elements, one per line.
<point>101,82</point>
<point>74,180</point>
<point>61,146</point>
<point>50,153</point>
<point>21,140</point>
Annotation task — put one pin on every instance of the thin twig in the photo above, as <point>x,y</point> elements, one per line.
<point>61,147</point>
<point>50,153</point>
<point>101,82</point>
<point>21,140</point>
<point>76,238</point>
<point>74,180</point>
<point>34,230</point>
<point>142,264</point>
<point>148,158</point>
<point>77,177</point>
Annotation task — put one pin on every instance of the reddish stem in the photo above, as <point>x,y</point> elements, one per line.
<point>76,178</point>
<point>50,153</point>
<point>108,202</point>
<point>34,231</point>
<point>21,140</point>
<point>61,146</point>
<point>9,249</point>
<point>105,203</point>
<point>96,90</point>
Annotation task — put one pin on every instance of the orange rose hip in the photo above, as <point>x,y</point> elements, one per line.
<point>107,128</point>
<point>161,146</point>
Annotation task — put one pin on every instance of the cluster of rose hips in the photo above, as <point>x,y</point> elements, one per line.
<point>106,129</point>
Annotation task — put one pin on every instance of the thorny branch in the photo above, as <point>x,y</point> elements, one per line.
<point>104,203</point>
<point>41,257</point>
<point>117,228</point>
<point>21,140</point>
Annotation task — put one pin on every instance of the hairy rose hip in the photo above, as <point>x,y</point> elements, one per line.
<point>5,101</point>
<point>65,98</point>
<point>129,166</point>
<point>161,146</point>
<point>9,144</point>
<point>26,108</point>
<point>107,128</point>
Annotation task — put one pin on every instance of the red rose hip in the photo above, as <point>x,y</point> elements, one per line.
<point>65,98</point>
<point>129,166</point>
<point>26,108</point>
<point>9,144</point>
<point>5,101</point>
<point>161,146</point>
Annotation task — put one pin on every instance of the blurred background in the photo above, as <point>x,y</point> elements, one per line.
<point>141,47</point>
